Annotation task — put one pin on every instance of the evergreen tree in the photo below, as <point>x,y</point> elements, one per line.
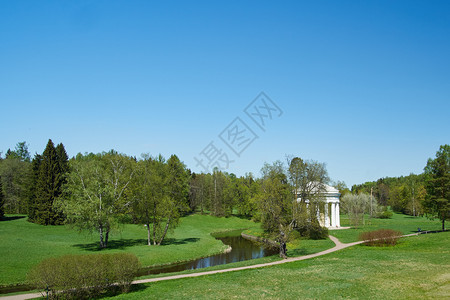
<point>32,206</point>
<point>437,202</point>
<point>47,188</point>
<point>63,168</point>
<point>2,212</point>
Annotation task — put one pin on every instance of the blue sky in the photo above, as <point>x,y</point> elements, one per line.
<point>363,86</point>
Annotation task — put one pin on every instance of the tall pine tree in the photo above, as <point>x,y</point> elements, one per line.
<point>48,188</point>
<point>32,205</point>
<point>2,212</point>
<point>63,168</point>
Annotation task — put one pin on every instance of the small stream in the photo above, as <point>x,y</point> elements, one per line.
<point>241,249</point>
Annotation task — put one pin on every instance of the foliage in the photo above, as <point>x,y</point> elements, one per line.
<point>356,206</point>
<point>404,194</point>
<point>159,195</point>
<point>290,196</point>
<point>312,230</point>
<point>220,192</point>
<point>48,180</point>
<point>94,194</point>
<point>84,276</point>
<point>2,201</point>
<point>14,171</point>
<point>380,237</point>
<point>385,214</point>
<point>437,203</point>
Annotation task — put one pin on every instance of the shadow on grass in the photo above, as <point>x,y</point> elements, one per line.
<point>11,218</point>
<point>115,291</point>
<point>298,252</point>
<point>126,243</point>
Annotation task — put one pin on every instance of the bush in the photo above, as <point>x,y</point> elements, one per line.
<point>84,276</point>
<point>313,231</point>
<point>387,214</point>
<point>381,237</point>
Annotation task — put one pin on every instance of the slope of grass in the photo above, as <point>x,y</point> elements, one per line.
<point>25,244</point>
<point>417,268</point>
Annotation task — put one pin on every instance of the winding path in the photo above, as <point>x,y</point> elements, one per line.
<point>338,246</point>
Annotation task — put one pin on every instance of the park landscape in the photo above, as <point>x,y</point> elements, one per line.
<point>194,207</point>
<point>224,149</point>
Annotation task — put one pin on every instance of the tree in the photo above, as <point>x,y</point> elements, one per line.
<point>355,206</point>
<point>275,204</point>
<point>94,196</point>
<point>34,175</point>
<point>2,202</point>
<point>22,152</point>
<point>342,187</point>
<point>160,194</point>
<point>15,171</point>
<point>147,192</point>
<point>437,202</point>
<point>281,188</point>
<point>47,189</point>
<point>178,191</point>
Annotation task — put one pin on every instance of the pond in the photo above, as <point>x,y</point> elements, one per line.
<point>241,249</point>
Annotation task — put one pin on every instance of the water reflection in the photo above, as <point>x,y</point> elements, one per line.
<point>242,249</point>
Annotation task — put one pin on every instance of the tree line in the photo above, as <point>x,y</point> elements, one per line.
<point>97,192</point>
<point>427,193</point>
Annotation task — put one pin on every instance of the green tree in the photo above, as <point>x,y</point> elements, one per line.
<point>2,201</point>
<point>178,191</point>
<point>15,178</point>
<point>94,196</point>
<point>355,206</point>
<point>34,175</point>
<point>148,193</point>
<point>47,188</point>
<point>437,170</point>
<point>22,152</point>
<point>290,197</point>
<point>160,195</point>
<point>275,204</point>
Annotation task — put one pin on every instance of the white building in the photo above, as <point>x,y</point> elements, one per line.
<point>328,212</point>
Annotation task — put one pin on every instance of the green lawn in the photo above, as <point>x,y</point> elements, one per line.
<point>25,244</point>
<point>403,223</point>
<point>417,268</point>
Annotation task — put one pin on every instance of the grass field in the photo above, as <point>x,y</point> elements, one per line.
<point>417,268</point>
<point>25,244</point>
<point>400,222</point>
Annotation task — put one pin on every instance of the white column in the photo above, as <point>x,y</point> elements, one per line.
<point>333,214</point>
<point>327,219</point>
<point>338,217</point>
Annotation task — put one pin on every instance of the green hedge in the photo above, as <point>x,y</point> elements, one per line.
<point>84,276</point>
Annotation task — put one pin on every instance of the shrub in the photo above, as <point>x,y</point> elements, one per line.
<point>84,276</point>
<point>384,213</point>
<point>381,237</point>
<point>387,214</point>
<point>313,231</point>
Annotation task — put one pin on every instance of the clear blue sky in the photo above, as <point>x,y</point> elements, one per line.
<point>364,86</point>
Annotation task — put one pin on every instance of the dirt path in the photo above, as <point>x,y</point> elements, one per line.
<point>338,246</point>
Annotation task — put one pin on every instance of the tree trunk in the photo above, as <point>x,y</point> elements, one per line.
<point>283,250</point>
<point>165,231</point>
<point>102,245</point>
<point>149,238</point>
<point>106,238</point>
